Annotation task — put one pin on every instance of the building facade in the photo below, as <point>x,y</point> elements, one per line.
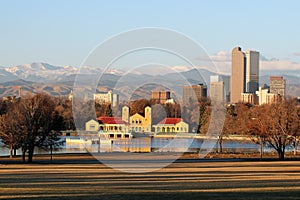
<point>217,91</point>
<point>248,98</point>
<point>238,68</point>
<point>107,125</point>
<point>171,125</point>
<point>273,98</point>
<point>108,97</point>
<point>139,123</point>
<point>161,96</point>
<point>262,95</point>
<point>252,71</point>
<point>277,85</point>
<point>193,93</point>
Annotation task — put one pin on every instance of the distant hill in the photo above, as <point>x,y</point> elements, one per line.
<point>57,80</point>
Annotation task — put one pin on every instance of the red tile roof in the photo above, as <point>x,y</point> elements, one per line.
<point>111,120</point>
<point>170,121</point>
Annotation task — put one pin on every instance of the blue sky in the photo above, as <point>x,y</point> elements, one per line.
<point>63,32</point>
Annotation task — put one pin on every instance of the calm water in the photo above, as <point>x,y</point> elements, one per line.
<point>155,144</point>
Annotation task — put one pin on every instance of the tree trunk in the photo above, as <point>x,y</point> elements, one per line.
<point>295,148</point>
<point>221,144</point>
<point>30,154</point>
<point>23,155</point>
<point>280,154</point>
<point>10,151</point>
<point>51,151</point>
<point>261,148</point>
<point>15,151</point>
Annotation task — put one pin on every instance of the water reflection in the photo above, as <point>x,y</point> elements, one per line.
<point>154,145</point>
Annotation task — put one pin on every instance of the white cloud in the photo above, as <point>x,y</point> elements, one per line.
<point>221,56</point>
<point>279,65</point>
<point>180,68</point>
<point>222,63</point>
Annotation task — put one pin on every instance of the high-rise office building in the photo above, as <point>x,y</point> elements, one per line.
<point>244,73</point>
<point>193,93</point>
<point>277,85</point>
<point>238,68</point>
<point>216,91</point>
<point>252,71</point>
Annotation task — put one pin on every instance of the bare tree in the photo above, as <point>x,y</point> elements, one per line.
<point>258,126</point>
<point>37,114</point>
<point>277,125</point>
<point>11,129</point>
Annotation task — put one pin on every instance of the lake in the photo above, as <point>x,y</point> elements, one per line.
<point>154,144</point>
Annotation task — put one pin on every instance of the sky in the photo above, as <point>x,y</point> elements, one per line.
<point>64,32</point>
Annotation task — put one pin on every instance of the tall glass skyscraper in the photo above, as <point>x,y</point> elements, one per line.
<point>244,73</point>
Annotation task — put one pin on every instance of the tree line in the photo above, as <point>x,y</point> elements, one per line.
<point>274,125</point>
<point>33,121</point>
<point>36,120</point>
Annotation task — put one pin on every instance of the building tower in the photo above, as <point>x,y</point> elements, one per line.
<point>217,94</point>
<point>238,68</point>
<point>252,71</point>
<point>125,114</point>
<point>244,75</point>
<point>148,119</point>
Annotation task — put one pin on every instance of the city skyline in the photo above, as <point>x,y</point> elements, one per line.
<point>64,33</point>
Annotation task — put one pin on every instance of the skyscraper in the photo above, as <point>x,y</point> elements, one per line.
<point>238,68</point>
<point>244,73</point>
<point>216,91</point>
<point>252,71</point>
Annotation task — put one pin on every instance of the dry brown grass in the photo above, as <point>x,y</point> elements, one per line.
<point>191,179</point>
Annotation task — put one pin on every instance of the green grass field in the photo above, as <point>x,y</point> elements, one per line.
<point>189,179</point>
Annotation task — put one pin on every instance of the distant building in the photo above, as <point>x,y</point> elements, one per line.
<point>266,97</point>
<point>277,85</point>
<point>92,125</point>
<point>248,98</point>
<point>193,93</point>
<point>112,124</point>
<point>139,123</point>
<point>108,97</point>
<point>252,71</point>
<point>161,96</point>
<point>273,98</point>
<point>171,125</point>
<point>244,73</point>
<point>262,95</point>
<point>237,74</point>
<point>217,90</point>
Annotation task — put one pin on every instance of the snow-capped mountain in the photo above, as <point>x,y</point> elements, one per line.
<point>59,80</point>
<point>6,76</point>
<point>43,72</point>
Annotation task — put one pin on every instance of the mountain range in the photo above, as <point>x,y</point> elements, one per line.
<point>59,80</point>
